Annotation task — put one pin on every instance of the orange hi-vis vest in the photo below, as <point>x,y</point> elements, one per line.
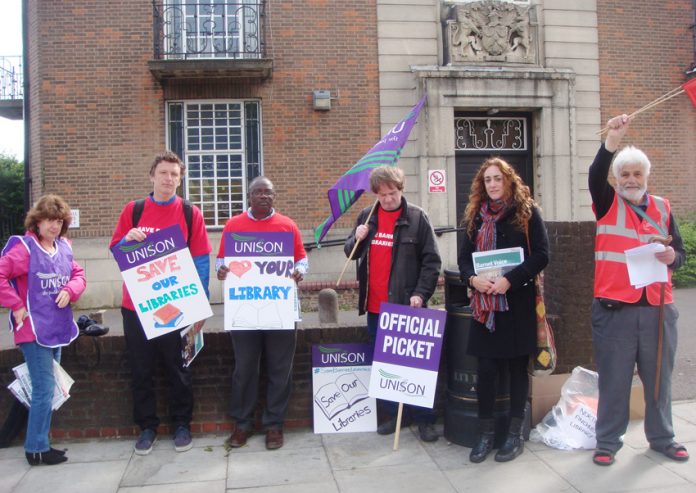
<point>617,231</point>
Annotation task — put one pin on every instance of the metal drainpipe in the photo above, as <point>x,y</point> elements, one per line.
<point>26,106</point>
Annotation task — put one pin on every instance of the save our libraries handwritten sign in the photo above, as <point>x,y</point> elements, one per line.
<point>259,291</point>
<point>162,281</point>
<point>407,354</point>
<point>340,378</point>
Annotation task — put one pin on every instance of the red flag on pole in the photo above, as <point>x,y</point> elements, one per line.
<point>690,88</point>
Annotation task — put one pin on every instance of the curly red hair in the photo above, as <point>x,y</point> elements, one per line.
<point>516,192</point>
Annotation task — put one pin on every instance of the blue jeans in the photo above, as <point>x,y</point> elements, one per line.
<point>40,362</point>
<point>417,414</point>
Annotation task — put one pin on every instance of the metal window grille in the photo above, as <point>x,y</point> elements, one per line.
<point>220,143</point>
<point>490,134</point>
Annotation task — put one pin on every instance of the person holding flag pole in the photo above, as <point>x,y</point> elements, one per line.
<point>632,325</point>
<point>397,262</point>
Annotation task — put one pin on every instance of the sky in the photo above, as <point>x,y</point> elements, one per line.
<point>11,131</point>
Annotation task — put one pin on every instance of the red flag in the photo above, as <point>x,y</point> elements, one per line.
<point>690,88</point>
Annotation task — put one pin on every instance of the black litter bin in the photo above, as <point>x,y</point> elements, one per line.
<point>461,407</point>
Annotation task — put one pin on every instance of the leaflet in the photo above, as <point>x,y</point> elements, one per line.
<point>495,263</point>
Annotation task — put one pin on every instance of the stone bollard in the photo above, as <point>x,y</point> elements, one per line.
<point>328,306</point>
<point>98,316</point>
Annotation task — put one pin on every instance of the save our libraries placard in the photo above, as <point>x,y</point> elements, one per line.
<point>340,378</point>
<point>259,291</point>
<point>162,281</point>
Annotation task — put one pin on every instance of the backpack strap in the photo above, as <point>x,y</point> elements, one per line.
<point>188,216</point>
<point>139,207</point>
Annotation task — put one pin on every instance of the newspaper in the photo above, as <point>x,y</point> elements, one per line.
<point>21,386</point>
<point>493,264</point>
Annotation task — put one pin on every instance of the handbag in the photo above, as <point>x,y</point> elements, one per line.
<point>543,362</point>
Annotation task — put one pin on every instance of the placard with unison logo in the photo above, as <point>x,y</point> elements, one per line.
<point>340,378</point>
<point>407,351</point>
<point>162,281</point>
<point>259,291</point>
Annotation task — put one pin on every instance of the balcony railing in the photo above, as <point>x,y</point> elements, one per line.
<point>11,78</point>
<point>208,30</point>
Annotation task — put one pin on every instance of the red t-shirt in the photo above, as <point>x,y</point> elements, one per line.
<point>276,223</point>
<point>380,259</point>
<point>158,216</point>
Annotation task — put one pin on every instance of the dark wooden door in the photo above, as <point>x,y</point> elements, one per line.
<point>479,136</point>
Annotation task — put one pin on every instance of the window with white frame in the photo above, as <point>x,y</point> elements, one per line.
<point>220,142</point>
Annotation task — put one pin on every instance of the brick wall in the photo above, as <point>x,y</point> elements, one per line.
<point>568,284</point>
<point>98,114</point>
<point>644,49</point>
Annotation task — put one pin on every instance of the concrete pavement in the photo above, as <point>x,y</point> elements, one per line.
<point>347,463</point>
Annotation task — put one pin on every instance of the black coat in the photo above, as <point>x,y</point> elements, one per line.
<point>415,264</point>
<point>515,330</point>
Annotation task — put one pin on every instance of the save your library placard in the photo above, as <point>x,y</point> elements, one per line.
<point>340,379</point>
<point>259,291</point>
<point>162,281</point>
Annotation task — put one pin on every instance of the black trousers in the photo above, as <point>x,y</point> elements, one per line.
<point>143,356</point>
<point>487,377</point>
<point>278,350</point>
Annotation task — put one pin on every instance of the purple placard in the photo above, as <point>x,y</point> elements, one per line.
<point>349,354</point>
<point>262,244</point>
<point>410,336</point>
<point>158,244</point>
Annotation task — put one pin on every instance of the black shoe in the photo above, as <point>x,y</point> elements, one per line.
<point>485,442</point>
<point>50,458</point>
<point>427,433</point>
<point>389,426</point>
<point>514,443</point>
<point>58,451</point>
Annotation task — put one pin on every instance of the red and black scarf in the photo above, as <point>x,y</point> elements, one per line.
<point>485,305</point>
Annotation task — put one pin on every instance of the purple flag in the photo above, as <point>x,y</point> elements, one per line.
<point>348,189</point>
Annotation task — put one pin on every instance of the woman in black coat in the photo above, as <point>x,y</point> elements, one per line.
<point>502,214</point>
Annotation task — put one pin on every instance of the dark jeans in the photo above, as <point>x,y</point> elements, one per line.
<point>390,409</point>
<point>143,356</point>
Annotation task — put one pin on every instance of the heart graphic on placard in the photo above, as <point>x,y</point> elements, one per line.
<point>239,268</point>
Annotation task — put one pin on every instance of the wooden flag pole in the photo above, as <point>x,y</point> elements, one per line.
<point>399,415</point>
<point>665,97</point>
<point>355,247</point>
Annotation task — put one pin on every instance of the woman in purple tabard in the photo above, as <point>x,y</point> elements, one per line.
<point>38,281</point>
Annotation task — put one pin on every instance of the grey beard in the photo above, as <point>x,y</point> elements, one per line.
<point>632,195</point>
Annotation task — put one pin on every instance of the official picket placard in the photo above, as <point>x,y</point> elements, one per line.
<point>407,354</point>
<point>259,291</point>
<point>340,379</point>
<point>162,281</point>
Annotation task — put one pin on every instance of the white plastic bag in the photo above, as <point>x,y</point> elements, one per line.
<point>571,422</point>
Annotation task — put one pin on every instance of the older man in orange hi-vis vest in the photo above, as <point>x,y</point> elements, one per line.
<point>632,325</point>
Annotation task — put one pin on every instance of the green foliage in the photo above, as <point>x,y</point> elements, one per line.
<point>11,197</point>
<point>686,276</point>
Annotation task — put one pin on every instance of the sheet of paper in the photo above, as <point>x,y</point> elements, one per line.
<point>643,267</point>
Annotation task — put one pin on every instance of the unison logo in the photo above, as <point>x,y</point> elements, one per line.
<point>391,381</point>
<point>252,244</point>
<point>147,250</point>
<point>337,355</point>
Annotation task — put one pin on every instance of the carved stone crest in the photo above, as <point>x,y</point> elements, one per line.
<point>491,30</point>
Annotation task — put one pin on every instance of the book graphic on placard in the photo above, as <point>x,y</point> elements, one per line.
<point>167,316</point>
<point>342,394</point>
<point>266,317</point>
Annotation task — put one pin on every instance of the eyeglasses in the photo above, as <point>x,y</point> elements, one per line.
<point>263,193</point>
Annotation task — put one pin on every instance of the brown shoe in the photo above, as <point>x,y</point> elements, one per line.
<point>239,437</point>
<point>274,438</point>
